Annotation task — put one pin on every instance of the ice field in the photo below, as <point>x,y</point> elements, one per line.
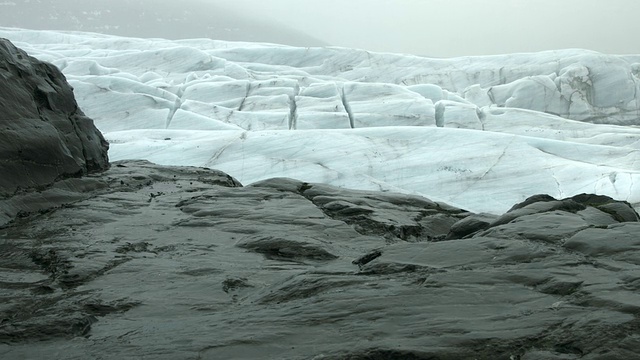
<point>481,133</point>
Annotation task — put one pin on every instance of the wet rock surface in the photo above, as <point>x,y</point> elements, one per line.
<point>186,263</point>
<point>44,136</point>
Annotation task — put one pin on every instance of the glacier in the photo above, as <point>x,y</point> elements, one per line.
<point>481,133</point>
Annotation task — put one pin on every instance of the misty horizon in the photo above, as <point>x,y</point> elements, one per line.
<point>434,28</point>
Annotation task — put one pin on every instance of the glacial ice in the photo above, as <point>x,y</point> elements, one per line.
<point>479,132</point>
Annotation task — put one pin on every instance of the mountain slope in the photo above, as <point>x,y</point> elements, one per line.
<point>149,18</point>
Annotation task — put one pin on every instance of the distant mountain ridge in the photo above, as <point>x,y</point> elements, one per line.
<point>148,19</point>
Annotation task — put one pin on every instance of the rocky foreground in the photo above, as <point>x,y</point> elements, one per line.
<point>178,263</point>
<point>145,261</point>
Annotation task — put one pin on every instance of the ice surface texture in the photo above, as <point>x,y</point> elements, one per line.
<point>479,132</point>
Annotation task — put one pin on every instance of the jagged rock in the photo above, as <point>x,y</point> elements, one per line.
<point>44,136</point>
<point>470,225</point>
<point>155,257</point>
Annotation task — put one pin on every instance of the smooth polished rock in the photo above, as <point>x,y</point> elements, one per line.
<point>146,260</point>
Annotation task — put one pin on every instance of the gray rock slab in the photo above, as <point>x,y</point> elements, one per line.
<point>146,261</point>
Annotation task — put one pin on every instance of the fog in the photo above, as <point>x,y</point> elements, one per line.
<point>444,28</point>
<point>436,28</point>
<point>168,19</point>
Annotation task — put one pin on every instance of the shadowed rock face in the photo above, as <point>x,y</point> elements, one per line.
<point>44,136</point>
<point>144,260</point>
<point>168,19</point>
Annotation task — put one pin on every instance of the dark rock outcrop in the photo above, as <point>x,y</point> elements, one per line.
<point>144,260</point>
<point>44,136</point>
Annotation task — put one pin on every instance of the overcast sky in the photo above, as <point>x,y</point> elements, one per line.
<point>437,28</point>
<point>444,28</point>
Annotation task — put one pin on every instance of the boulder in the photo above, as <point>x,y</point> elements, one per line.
<point>44,136</point>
